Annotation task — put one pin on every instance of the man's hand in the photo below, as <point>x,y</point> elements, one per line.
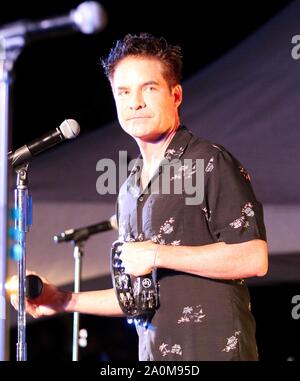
<point>138,258</point>
<point>51,301</point>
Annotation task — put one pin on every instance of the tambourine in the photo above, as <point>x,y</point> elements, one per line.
<point>137,296</point>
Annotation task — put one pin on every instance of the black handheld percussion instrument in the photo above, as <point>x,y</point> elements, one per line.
<point>137,296</point>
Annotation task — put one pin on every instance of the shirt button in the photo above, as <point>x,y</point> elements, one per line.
<point>141,198</point>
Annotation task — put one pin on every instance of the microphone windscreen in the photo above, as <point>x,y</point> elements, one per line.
<point>69,128</point>
<point>89,17</point>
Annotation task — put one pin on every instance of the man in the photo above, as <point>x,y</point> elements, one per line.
<point>200,252</point>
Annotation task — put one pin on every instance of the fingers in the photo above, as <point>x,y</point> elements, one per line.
<point>41,306</point>
<point>14,301</point>
<point>31,309</point>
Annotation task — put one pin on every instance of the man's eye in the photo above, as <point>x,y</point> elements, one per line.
<point>123,92</point>
<point>150,88</point>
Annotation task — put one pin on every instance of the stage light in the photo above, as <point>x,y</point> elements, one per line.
<point>11,285</point>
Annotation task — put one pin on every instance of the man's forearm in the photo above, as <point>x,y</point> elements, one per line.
<point>218,260</point>
<point>102,302</point>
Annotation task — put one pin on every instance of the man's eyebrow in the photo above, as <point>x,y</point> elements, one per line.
<point>142,85</point>
<point>150,83</point>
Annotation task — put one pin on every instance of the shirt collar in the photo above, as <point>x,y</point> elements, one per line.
<point>174,151</point>
<point>178,144</point>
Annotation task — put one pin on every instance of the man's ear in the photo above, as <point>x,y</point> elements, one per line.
<point>177,94</point>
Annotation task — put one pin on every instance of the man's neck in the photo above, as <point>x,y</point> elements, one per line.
<point>153,152</point>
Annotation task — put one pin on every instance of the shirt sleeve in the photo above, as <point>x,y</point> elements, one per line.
<point>234,214</point>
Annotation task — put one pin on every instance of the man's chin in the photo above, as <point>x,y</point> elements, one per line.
<point>139,132</point>
<point>143,133</point>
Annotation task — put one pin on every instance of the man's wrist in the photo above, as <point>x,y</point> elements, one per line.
<point>156,259</point>
<point>154,256</point>
<point>69,301</point>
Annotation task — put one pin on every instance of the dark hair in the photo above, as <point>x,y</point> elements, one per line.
<point>146,45</point>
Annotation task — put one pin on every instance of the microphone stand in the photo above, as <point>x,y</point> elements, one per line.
<point>78,254</point>
<point>10,49</point>
<point>23,208</point>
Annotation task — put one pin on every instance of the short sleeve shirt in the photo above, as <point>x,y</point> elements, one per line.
<point>198,318</point>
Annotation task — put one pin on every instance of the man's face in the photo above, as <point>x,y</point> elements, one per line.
<point>147,107</point>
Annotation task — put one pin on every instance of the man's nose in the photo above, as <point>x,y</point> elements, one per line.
<point>137,102</point>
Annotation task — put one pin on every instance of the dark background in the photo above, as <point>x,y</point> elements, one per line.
<point>62,78</point>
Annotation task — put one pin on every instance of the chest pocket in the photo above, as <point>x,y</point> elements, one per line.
<point>163,218</point>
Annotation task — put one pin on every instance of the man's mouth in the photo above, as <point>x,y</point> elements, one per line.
<point>139,117</point>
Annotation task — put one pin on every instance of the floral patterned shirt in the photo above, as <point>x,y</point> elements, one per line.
<point>198,318</point>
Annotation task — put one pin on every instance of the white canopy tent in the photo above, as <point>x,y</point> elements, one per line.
<point>247,101</point>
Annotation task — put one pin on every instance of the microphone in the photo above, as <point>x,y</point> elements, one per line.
<point>34,286</point>
<point>84,233</point>
<point>89,17</point>
<point>69,129</point>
